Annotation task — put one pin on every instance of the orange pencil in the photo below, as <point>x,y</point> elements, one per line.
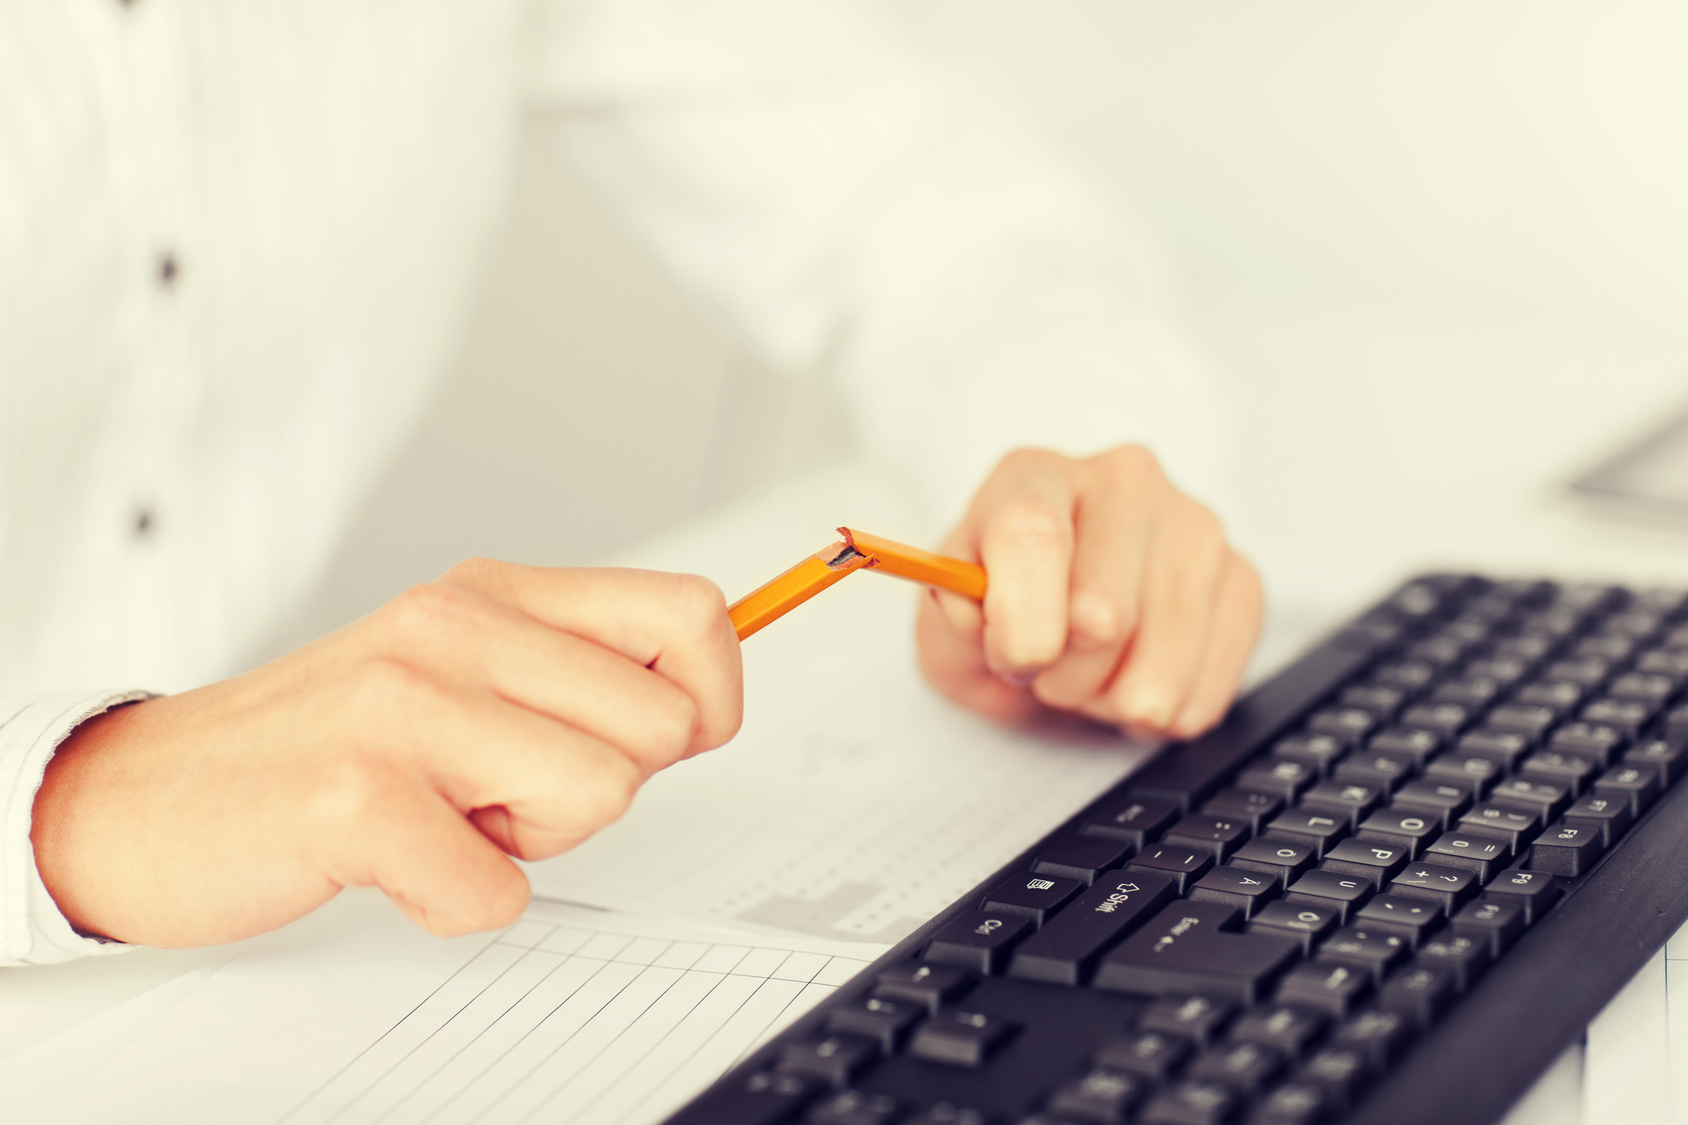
<point>857,551</point>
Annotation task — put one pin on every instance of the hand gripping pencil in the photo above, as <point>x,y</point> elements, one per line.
<point>856,551</point>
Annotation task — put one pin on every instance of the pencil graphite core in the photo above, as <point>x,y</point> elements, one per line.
<point>857,551</point>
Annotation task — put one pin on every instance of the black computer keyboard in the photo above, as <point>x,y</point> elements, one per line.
<point>1392,887</point>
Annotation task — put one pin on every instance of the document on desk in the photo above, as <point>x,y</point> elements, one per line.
<point>570,1016</point>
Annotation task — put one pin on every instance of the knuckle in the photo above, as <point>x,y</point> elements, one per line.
<point>606,793</point>
<point>1098,619</point>
<point>427,609</point>
<point>673,724</point>
<point>1131,462</point>
<point>1032,523</point>
<point>1028,459</point>
<point>698,606</point>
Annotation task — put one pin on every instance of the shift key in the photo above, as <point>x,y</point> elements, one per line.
<point>1066,949</point>
<point>1183,951</point>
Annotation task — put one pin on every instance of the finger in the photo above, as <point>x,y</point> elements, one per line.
<point>478,641</point>
<point>1116,519</point>
<point>1179,587</point>
<point>675,624</point>
<point>1236,626</point>
<point>448,877</point>
<point>955,666</point>
<point>1026,545</point>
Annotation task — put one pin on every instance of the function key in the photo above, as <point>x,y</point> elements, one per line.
<point>1282,1028</point>
<point>1333,890</point>
<point>1636,783</point>
<point>1282,778</point>
<point>1148,1054</point>
<point>1448,887</point>
<point>1135,820</point>
<point>959,1038</point>
<point>1103,1094</point>
<point>1324,987</point>
<point>1307,922</point>
<point>1246,805</point>
<point>977,941</point>
<point>926,985</point>
<point>1031,895</point>
<point>886,1022</point>
<point>1462,958</point>
<point>1406,828</point>
<point>1419,993</point>
<point>1417,743</point>
<point>1180,864</point>
<point>1566,849</point>
<point>1083,858</point>
<point>1279,857</point>
<point>1610,815</point>
<point>1477,852</point>
<point>1494,923</point>
<point>1534,891</point>
<point>1198,1019</point>
<point>1367,859</point>
<point>1318,828</point>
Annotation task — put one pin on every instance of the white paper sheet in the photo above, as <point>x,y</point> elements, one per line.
<point>574,1015</point>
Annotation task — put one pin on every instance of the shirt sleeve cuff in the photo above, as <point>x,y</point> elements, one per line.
<point>33,931</point>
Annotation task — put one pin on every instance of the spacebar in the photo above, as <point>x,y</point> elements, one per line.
<point>1187,772</point>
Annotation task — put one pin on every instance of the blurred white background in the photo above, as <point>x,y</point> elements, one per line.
<point>1438,252</point>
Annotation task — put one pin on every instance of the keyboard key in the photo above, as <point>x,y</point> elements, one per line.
<point>1383,770</point>
<point>1030,895</point>
<point>1338,1071</point>
<point>959,1038</point>
<point>1669,662</point>
<point>1319,751</point>
<point>1585,671</point>
<point>1596,741</point>
<point>1184,949</point>
<point>1243,890</point>
<point>1475,692</point>
<point>886,1022</point>
<point>1446,719</point>
<point>926,985</point>
<point>1367,859</point>
<point>1382,700</point>
<point>1191,1103</point>
<point>1279,777</point>
<point>1134,820</point>
<point>1636,783</point>
<point>1517,824</point>
<point>1560,695</point>
<point>1648,687</point>
<point>1628,715</point>
<point>1525,718</point>
<point>1610,814</point>
<point>1462,958</point>
<point>1475,770</point>
<point>1244,1067</point>
<point>1495,924</point>
<point>1065,950</point>
<point>1318,828</point>
<point>1354,801</point>
<point>1413,741</point>
<point>1280,857</point>
<point>1608,648</point>
<point>1293,1103</point>
<point>1504,747</point>
<point>1104,1096</point>
<point>1448,887</point>
<point>763,1099</point>
<point>1502,669</point>
<point>948,1113</point>
<point>1182,865</point>
<point>1548,795</point>
<point>1447,799</point>
<point>1479,853</point>
<point>1532,890</point>
<point>1304,922</point>
<point>1526,646</point>
<point>1215,834</point>
<point>1566,849</point>
<point>1285,1029</point>
<point>1346,724</point>
<point>1254,809</point>
<point>1364,948</point>
<point>1410,675</point>
<point>1406,828</point>
<point>1411,918</point>
<point>1378,1036</point>
<point>1573,771</point>
<point>1330,989</point>
<point>834,1059</point>
<point>855,1107</point>
<point>976,940</point>
<point>1418,993</point>
<point>1333,890</point>
<point>1083,858</point>
<point>1148,1054</point>
<point>1198,1019</point>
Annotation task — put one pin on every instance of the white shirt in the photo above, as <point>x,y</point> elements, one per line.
<point>236,242</point>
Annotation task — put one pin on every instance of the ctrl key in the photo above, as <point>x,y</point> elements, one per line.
<point>957,1038</point>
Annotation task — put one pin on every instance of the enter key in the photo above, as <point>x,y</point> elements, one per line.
<point>1188,949</point>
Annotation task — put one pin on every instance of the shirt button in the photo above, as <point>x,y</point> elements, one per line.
<point>168,269</point>
<point>145,522</point>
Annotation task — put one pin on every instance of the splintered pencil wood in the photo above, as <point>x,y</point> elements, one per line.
<point>857,551</point>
